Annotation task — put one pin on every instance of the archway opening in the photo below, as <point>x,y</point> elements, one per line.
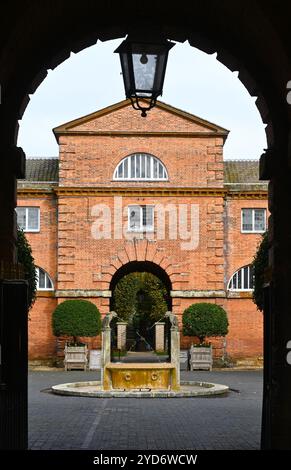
<point>141,297</point>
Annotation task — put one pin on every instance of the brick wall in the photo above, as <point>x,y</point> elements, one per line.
<point>44,242</point>
<point>245,337</point>
<point>41,343</point>
<point>188,165</point>
<point>239,247</point>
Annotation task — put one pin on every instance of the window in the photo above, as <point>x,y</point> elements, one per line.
<point>44,282</point>
<point>139,167</point>
<point>28,218</point>
<point>140,218</point>
<point>253,220</point>
<point>243,279</point>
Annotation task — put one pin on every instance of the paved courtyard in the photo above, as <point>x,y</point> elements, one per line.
<point>230,422</point>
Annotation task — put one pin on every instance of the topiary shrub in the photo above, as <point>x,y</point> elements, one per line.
<point>76,318</point>
<point>205,320</point>
<point>260,264</point>
<point>24,257</point>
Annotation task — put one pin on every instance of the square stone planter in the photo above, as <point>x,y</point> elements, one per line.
<point>201,358</point>
<point>184,360</point>
<point>76,357</point>
<point>95,359</point>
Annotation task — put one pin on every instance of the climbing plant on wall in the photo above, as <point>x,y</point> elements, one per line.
<point>24,257</point>
<point>260,264</point>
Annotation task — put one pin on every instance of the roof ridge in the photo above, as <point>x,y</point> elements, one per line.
<point>42,158</point>
<point>240,160</point>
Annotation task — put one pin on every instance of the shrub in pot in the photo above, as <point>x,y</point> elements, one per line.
<point>203,320</point>
<point>76,318</point>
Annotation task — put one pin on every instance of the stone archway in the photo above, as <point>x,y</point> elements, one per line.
<point>141,278</point>
<point>143,255</point>
<point>40,36</point>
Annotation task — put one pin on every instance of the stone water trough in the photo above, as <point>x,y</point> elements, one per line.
<point>149,376</point>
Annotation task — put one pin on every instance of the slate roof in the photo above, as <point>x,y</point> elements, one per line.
<point>241,171</point>
<point>42,169</point>
<point>243,174</point>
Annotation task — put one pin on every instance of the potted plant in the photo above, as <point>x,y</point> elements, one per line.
<point>203,320</point>
<point>76,318</point>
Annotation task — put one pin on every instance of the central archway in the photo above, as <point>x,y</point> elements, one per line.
<point>141,295</point>
<point>139,267</point>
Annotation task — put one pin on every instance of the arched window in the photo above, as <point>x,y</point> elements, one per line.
<point>140,167</point>
<point>44,282</point>
<point>243,279</point>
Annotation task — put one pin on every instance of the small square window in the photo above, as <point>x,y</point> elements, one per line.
<point>253,220</point>
<point>28,218</point>
<point>140,218</point>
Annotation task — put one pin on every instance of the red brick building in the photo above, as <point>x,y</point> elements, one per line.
<point>153,194</point>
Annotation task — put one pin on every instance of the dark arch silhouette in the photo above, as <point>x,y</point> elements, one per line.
<point>250,37</point>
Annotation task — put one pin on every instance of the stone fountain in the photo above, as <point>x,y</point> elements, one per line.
<point>140,380</point>
<point>137,376</point>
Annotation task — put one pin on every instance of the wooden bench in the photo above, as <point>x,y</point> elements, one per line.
<point>76,357</point>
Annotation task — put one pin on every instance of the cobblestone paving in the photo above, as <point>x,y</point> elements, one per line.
<point>230,422</point>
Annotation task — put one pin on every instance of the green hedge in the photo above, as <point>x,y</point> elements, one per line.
<point>205,320</point>
<point>76,318</point>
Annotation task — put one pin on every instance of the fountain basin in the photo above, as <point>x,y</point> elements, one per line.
<point>94,389</point>
<point>142,376</point>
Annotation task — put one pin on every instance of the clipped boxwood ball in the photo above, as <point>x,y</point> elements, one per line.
<point>76,318</point>
<point>205,320</point>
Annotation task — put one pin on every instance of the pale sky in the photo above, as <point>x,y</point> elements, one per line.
<point>194,82</point>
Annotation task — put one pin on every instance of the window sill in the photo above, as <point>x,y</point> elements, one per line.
<point>31,231</point>
<point>239,294</point>
<point>253,231</point>
<point>141,231</point>
<point>45,293</point>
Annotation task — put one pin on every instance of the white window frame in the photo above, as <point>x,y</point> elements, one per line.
<point>38,288</point>
<point>140,156</point>
<point>253,209</point>
<point>141,228</point>
<point>243,288</point>
<point>26,229</point>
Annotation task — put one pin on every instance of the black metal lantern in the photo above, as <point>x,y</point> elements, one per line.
<point>143,67</point>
